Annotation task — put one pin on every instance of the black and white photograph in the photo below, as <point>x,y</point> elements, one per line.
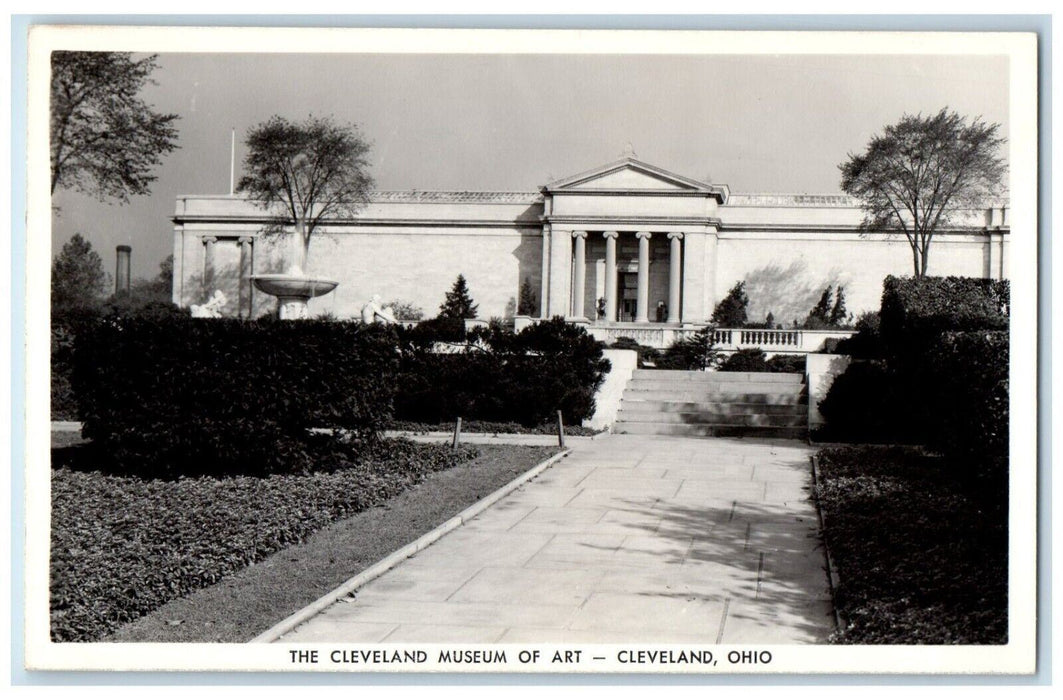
<point>531,351</point>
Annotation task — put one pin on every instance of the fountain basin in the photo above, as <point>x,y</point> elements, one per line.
<point>293,292</point>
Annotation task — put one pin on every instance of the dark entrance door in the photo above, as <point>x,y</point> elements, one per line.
<point>627,292</point>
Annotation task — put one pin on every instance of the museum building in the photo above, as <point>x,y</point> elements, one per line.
<point>624,246</point>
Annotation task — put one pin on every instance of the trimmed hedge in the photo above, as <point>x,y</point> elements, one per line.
<point>865,344</point>
<point>867,403</point>
<point>123,546</point>
<point>941,374</point>
<point>503,376</point>
<point>973,403</point>
<point>69,321</point>
<point>173,396</point>
<point>915,310</point>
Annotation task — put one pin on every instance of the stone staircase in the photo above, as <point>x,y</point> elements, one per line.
<point>731,404</point>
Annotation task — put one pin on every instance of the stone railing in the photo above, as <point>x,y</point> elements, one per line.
<point>661,336</point>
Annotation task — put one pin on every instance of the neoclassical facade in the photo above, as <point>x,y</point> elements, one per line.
<point>624,244</point>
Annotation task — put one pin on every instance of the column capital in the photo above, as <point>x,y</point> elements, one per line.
<point>579,234</point>
<point>208,239</point>
<point>643,234</point>
<point>610,234</point>
<point>674,235</point>
<point>245,239</point>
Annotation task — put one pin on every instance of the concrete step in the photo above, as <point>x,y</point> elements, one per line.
<point>702,395</point>
<point>747,419</point>
<point>708,387</point>
<point>631,405</point>
<point>719,377</point>
<point>706,430</point>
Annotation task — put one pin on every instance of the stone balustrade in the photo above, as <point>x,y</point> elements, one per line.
<point>661,336</point>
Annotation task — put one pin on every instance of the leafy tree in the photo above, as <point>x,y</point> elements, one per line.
<point>156,289</point>
<point>305,173</point>
<point>527,304</point>
<point>404,310</point>
<point>731,312</point>
<point>920,172</point>
<point>839,314</point>
<point>105,140</point>
<point>78,279</point>
<point>458,303</point>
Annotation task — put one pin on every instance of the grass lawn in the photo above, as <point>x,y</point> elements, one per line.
<point>919,559</point>
<point>207,559</point>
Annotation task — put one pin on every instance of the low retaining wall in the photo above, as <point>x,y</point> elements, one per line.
<point>607,400</point>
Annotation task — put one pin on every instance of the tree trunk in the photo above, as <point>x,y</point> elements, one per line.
<point>918,268</point>
<point>297,266</point>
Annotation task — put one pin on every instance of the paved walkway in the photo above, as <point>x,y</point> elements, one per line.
<point>647,539</point>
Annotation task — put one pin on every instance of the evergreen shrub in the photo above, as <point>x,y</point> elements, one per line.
<point>521,377</point>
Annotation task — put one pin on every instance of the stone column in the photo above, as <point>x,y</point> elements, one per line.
<point>560,272</point>
<point>208,265</point>
<point>642,306</point>
<point>675,260</point>
<point>247,268</point>
<point>610,275</point>
<point>579,277</point>
<point>544,286</point>
<point>694,291</point>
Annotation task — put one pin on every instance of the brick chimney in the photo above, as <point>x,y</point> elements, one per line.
<point>121,270</point>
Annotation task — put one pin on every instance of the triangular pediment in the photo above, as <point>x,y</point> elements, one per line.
<point>628,175</point>
<point>629,178</point>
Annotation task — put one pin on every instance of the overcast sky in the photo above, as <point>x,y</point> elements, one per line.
<point>514,122</point>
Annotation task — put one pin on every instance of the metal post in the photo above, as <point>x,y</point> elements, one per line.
<point>457,434</point>
<point>560,431</point>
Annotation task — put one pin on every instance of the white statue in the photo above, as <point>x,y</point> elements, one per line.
<point>373,313</point>
<point>212,308</point>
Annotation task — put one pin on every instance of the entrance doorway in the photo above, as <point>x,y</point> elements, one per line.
<point>628,293</point>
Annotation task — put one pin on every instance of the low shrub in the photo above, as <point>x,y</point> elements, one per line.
<point>522,377</point>
<point>122,546</point>
<point>177,396</point>
<point>694,353</point>
<point>793,364</point>
<point>748,360</point>
<point>919,562</point>
<point>647,356</point>
<point>441,329</point>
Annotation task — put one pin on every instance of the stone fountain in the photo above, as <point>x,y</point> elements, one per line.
<point>294,288</point>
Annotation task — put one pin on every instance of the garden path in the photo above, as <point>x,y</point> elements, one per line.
<point>652,539</point>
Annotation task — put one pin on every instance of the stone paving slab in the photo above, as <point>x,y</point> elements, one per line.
<point>652,539</point>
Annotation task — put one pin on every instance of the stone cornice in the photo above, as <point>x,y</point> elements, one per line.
<point>841,229</point>
<point>610,223</point>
